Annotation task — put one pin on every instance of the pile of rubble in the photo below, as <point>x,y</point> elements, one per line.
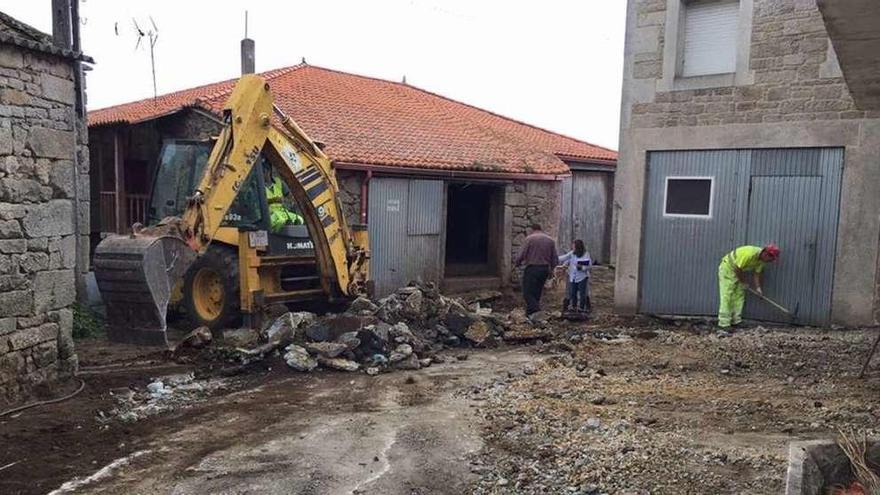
<point>405,330</point>
<point>166,393</point>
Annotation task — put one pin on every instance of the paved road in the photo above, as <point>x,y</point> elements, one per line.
<point>326,433</point>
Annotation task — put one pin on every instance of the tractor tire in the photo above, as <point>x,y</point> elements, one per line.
<point>211,290</point>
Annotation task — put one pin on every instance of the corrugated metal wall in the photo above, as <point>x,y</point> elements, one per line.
<point>794,201</point>
<point>787,196</point>
<point>681,255</point>
<point>405,226</point>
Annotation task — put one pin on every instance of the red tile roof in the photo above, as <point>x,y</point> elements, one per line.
<point>370,121</point>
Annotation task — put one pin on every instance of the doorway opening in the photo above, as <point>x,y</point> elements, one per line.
<point>474,219</point>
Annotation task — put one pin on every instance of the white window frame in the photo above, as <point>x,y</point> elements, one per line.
<point>711,180</point>
<point>729,60</point>
<point>673,48</point>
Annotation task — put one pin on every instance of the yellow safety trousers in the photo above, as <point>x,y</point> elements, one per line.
<point>732,296</point>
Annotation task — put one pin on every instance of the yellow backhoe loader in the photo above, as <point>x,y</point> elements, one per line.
<point>212,249</point>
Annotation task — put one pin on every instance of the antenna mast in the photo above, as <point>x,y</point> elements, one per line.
<point>153,36</point>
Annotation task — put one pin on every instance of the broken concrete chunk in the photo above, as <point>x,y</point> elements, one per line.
<point>198,338</point>
<point>325,349</point>
<point>298,358</point>
<point>412,305</point>
<point>362,304</point>
<point>339,364</point>
<point>401,352</point>
<point>240,337</point>
<point>539,318</point>
<point>424,363</point>
<point>401,334</point>
<point>178,379</point>
<point>478,332</point>
<point>284,328</point>
<point>331,329</point>
<point>481,311</point>
<point>518,316</point>
<point>411,362</point>
<point>372,371</point>
<point>458,321</point>
<point>350,340</point>
<point>390,309</point>
<point>374,339</point>
<point>377,360</point>
<point>156,387</point>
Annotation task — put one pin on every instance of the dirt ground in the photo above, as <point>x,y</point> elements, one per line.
<point>613,405</point>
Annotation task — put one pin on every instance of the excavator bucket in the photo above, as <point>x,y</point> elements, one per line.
<point>135,275</point>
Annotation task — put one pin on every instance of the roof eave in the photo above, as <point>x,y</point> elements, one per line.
<point>45,48</point>
<point>445,173</point>
<point>587,160</point>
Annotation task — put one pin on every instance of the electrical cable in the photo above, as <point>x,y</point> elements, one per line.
<point>82,385</point>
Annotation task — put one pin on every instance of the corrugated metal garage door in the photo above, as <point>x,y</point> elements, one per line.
<point>405,219</point>
<point>790,197</point>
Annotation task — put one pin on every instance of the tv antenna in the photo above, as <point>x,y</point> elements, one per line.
<point>152,36</point>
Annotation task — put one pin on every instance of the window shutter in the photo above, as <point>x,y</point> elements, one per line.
<point>710,38</point>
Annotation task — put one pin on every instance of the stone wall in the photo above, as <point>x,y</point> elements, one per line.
<point>792,64</point>
<point>877,292</point>
<point>350,194</point>
<point>529,202</point>
<point>189,123</point>
<point>41,140</point>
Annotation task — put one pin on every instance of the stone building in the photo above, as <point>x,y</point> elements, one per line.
<point>738,127</point>
<point>446,189</point>
<point>43,186</point>
<point>853,29</point>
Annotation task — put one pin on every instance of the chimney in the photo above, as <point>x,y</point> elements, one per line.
<point>62,26</point>
<point>248,55</point>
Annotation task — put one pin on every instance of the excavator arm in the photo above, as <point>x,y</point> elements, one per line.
<point>136,273</point>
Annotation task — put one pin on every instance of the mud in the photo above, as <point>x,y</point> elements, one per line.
<point>612,405</point>
<point>405,432</point>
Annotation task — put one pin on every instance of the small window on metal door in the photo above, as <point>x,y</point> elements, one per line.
<point>688,197</point>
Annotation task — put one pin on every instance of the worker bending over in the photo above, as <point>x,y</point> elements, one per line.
<point>279,214</point>
<point>733,278</point>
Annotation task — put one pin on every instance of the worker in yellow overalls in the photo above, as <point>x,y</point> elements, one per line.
<point>732,279</point>
<point>279,214</point>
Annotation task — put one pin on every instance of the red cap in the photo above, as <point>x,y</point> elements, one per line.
<point>772,251</point>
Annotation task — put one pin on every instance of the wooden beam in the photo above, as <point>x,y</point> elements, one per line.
<point>119,178</point>
<point>62,30</point>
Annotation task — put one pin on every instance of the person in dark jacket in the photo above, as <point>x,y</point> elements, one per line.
<point>539,256</point>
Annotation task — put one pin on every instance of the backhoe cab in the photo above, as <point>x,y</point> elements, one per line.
<point>210,246</point>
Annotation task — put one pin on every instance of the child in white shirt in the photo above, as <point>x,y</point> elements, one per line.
<point>577,262</point>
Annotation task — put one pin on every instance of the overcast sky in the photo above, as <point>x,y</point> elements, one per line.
<point>552,63</point>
